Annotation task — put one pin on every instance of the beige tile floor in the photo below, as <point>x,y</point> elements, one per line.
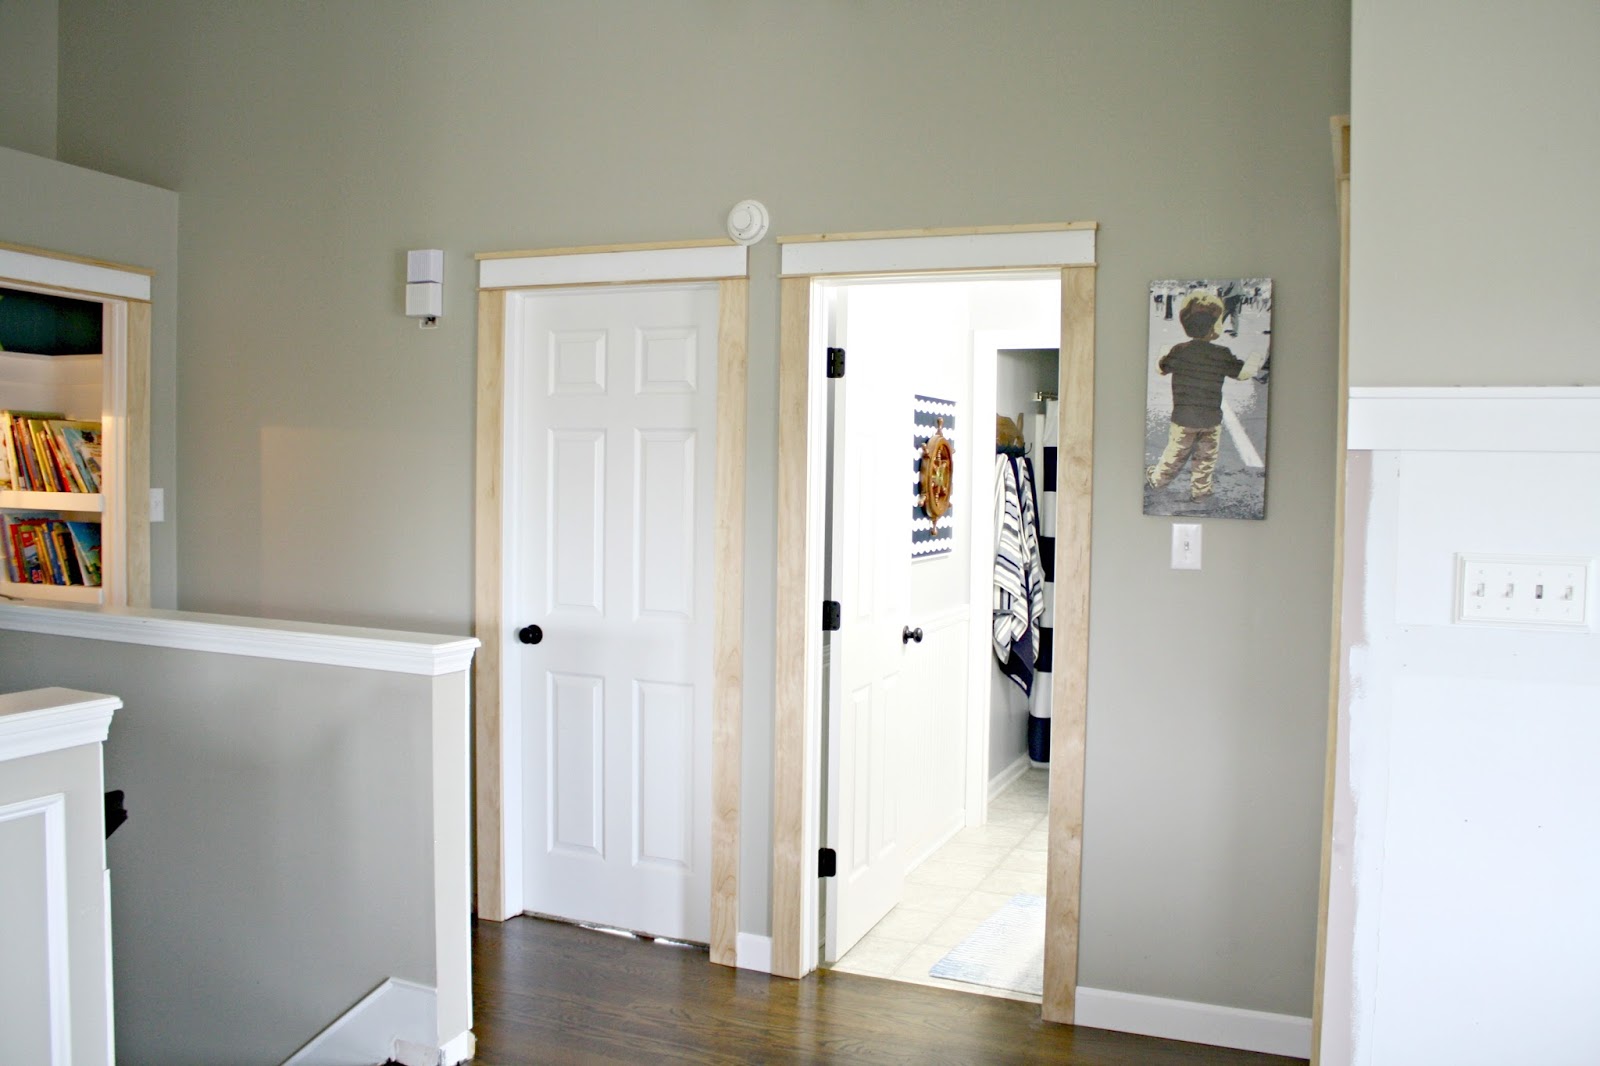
<point>960,885</point>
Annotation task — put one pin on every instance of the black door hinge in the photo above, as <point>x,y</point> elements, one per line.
<point>836,362</point>
<point>827,862</point>
<point>832,616</point>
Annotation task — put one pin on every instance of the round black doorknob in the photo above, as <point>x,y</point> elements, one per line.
<point>530,634</point>
<point>908,635</point>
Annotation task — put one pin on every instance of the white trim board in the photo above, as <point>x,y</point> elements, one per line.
<point>49,719</point>
<point>71,274</point>
<point>1523,419</point>
<point>754,952</point>
<point>974,251</point>
<point>624,266</point>
<point>1002,780</point>
<point>388,650</point>
<point>393,1021</point>
<point>58,956</point>
<point>1197,1023</point>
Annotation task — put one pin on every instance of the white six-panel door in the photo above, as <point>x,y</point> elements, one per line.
<point>610,499</point>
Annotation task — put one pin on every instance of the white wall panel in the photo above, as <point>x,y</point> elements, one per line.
<point>1461,927</point>
<point>32,1018</point>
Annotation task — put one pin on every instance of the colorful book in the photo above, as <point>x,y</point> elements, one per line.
<point>64,555</point>
<point>30,561</point>
<point>79,445</point>
<point>86,540</point>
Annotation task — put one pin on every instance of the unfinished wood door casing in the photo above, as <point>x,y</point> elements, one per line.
<point>797,618</point>
<point>798,555</point>
<point>1070,697</point>
<point>492,900</point>
<point>1339,127</point>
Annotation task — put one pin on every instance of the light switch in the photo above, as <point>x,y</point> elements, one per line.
<point>1185,545</point>
<point>158,505</point>
<point>1522,590</point>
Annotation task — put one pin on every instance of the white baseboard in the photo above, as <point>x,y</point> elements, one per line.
<point>753,952</point>
<point>998,783</point>
<point>1198,1023</point>
<point>396,1021</point>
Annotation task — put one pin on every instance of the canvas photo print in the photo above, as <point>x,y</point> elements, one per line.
<point>1205,439</point>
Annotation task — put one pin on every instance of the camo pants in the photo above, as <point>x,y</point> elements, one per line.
<point>1198,447</point>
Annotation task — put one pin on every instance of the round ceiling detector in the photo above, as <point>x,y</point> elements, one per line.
<point>747,222</point>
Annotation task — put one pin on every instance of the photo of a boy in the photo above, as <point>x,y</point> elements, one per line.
<point>1206,399</point>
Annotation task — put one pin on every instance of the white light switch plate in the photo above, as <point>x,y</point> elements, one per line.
<point>1522,590</point>
<point>158,505</point>
<point>1185,545</point>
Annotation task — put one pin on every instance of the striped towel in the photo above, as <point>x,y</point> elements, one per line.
<point>1018,574</point>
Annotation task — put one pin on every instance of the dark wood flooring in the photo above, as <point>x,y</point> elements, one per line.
<point>544,992</point>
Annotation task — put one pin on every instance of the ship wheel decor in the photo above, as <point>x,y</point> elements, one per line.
<point>937,469</point>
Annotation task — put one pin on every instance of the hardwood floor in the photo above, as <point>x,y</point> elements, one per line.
<point>544,992</point>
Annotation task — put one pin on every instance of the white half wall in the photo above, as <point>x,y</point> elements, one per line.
<point>1463,925</point>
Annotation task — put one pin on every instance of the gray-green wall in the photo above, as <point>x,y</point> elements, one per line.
<point>325,443</point>
<point>46,204</point>
<point>28,55</point>
<point>1474,239</point>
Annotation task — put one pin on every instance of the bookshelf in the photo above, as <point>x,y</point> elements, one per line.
<point>77,341</point>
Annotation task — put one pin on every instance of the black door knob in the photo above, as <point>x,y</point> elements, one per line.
<point>530,634</point>
<point>908,635</point>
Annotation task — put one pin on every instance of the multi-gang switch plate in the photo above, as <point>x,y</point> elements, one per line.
<point>1522,590</point>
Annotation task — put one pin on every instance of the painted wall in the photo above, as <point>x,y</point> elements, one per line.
<point>29,52</point>
<point>1463,816</point>
<point>313,144</point>
<point>64,208</point>
<point>276,862</point>
<point>1474,241</point>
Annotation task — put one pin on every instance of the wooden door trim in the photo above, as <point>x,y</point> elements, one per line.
<point>727,713</point>
<point>1339,128</point>
<point>797,621</point>
<point>1069,705</point>
<point>728,624</point>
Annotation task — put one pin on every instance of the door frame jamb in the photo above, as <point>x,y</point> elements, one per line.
<point>500,273</point>
<point>1068,247</point>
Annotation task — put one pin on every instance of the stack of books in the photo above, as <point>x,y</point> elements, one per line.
<point>44,549</point>
<point>42,451</point>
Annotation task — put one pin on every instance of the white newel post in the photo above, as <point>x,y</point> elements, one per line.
<point>55,915</point>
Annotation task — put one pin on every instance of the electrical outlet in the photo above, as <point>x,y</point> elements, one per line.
<point>1522,590</point>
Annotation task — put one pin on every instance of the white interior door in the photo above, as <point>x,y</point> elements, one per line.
<point>610,555</point>
<point>872,546</point>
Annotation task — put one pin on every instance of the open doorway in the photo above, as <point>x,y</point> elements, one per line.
<point>924,728</point>
<point>806,263</point>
